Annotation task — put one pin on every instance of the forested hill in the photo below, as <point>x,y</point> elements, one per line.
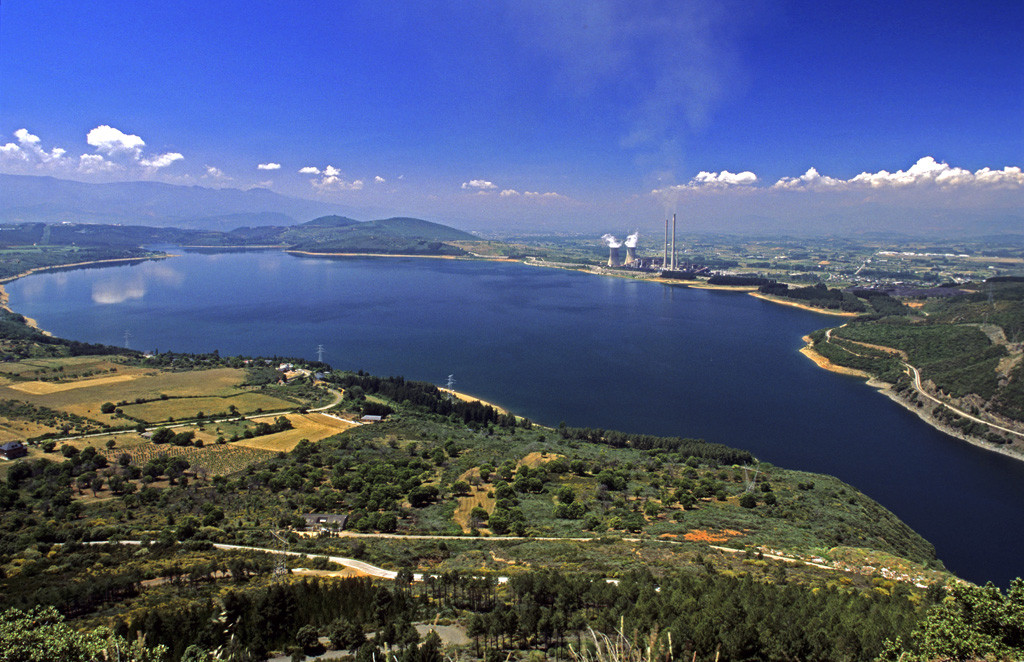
<point>968,350</point>
<point>326,234</point>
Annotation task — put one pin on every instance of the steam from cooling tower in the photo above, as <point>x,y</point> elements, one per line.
<point>614,259</point>
<point>611,241</point>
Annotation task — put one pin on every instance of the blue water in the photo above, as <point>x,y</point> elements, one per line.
<point>562,346</point>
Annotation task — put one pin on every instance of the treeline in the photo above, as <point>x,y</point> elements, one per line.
<point>702,617</point>
<point>818,296</point>
<point>23,341</point>
<point>426,396</point>
<point>248,623</point>
<point>719,453</point>
<point>683,617</point>
<point>740,280</point>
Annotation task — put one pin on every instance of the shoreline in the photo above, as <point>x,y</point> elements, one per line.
<point>465,397</point>
<point>924,413</point>
<point>795,304</point>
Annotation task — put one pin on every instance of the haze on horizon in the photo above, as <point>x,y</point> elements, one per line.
<point>795,117</point>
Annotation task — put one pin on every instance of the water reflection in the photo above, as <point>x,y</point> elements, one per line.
<point>133,284</point>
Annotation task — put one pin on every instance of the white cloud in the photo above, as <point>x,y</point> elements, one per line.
<point>269,166</point>
<point>478,185</point>
<point>11,152</point>
<point>92,164</point>
<point>379,180</point>
<point>509,192</point>
<point>810,179</point>
<point>162,161</point>
<point>213,172</point>
<point>29,151</point>
<point>310,170</point>
<point>713,181</point>
<point>109,140</point>
<point>926,172</point>
<point>26,138</point>
<point>331,171</point>
<point>537,194</point>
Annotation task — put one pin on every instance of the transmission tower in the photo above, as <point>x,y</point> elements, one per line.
<point>451,386</point>
<point>127,335</point>
<point>320,353</point>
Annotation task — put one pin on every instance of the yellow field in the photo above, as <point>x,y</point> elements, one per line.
<point>46,388</point>
<point>313,427</point>
<point>246,402</point>
<point>535,459</point>
<point>478,497</point>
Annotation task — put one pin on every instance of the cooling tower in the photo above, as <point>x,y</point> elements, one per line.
<point>630,254</point>
<point>614,258</point>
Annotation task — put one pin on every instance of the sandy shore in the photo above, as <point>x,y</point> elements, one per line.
<point>469,398</point>
<point>822,362</point>
<point>784,302</point>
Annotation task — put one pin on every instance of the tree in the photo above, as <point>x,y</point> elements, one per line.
<point>345,635</point>
<point>748,501</point>
<point>972,623</point>
<point>307,638</point>
<point>108,408</point>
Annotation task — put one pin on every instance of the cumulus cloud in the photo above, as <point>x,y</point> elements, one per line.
<point>331,179</point>
<point>26,138</point>
<point>478,185</point>
<point>92,164</point>
<point>926,172</point>
<point>379,180</point>
<point>161,161</point>
<point>111,141</point>
<point>509,193</point>
<point>29,151</point>
<point>713,181</point>
<point>269,166</point>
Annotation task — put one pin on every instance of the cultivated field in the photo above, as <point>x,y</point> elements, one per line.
<point>178,408</point>
<point>313,427</point>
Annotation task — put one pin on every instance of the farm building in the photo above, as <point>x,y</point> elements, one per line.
<point>13,450</point>
<point>324,522</point>
<point>370,418</point>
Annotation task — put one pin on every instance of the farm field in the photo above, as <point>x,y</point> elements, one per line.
<point>84,397</point>
<point>246,403</point>
<point>313,427</point>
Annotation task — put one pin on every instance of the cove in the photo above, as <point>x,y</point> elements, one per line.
<point>557,346</point>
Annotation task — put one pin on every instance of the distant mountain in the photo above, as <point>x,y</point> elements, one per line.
<point>335,234</point>
<point>29,198</point>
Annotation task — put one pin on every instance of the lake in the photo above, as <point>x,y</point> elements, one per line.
<point>555,346</point>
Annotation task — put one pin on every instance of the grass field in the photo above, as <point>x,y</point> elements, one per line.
<point>178,408</point>
<point>85,397</point>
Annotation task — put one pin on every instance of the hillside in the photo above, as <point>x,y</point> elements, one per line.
<point>328,234</point>
<point>967,350</point>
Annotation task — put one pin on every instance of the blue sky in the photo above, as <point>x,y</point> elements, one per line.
<point>536,115</point>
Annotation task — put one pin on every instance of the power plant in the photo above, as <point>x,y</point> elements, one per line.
<point>667,267</point>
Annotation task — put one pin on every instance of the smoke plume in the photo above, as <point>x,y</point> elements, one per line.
<point>611,241</point>
<point>632,239</point>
